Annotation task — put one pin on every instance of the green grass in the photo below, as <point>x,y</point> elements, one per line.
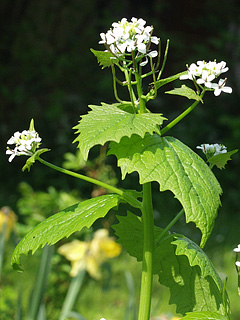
<point>106,298</point>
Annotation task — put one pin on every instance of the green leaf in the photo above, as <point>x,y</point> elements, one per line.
<point>104,58</point>
<point>110,123</point>
<point>196,257</point>
<point>133,242</point>
<point>176,168</point>
<point>185,92</point>
<point>190,290</point>
<point>30,161</point>
<point>162,82</point>
<point>64,223</point>
<point>203,315</point>
<point>220,160</point>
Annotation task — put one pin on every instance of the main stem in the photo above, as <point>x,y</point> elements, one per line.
<point>148,236</point>
<point>147,265</point>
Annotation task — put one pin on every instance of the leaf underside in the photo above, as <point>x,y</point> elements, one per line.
<point>64,223</point>
<point>176,168</point>
<point>192,288</point>
<point>109,123</point>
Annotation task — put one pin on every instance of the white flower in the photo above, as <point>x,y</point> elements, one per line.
<point>218,88</point>
<point>26,143</point>
<point>126,37</point>
<point>212,149</point>
<point>237,263</point>
<point>237,249</point>
<point>205,72</point>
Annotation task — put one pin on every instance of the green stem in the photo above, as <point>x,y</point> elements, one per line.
<point>133,201</point>
<point>181,116</point>
<point>142,102</point>
<point>148,241</point>
<point>130,89</point>
<point>170,225</point>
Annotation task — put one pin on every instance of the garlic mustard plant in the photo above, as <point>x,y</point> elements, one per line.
<point>137,138</point>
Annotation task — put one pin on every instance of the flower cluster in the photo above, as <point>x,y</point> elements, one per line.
<point>26,143</point>
<point>126,37</point>
<point>237,250</point>
<point>212,149</point>
<point>90,255</point>
<point>205,72</point>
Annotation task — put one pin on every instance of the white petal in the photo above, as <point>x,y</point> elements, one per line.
<point>227,89</point>
<point>155,40</point>
<point>142,64</point>
<point>237,263</point>
<point>217,92</point>
<point>142,48</point>
<point>153,54</point>
<point>184,77</point>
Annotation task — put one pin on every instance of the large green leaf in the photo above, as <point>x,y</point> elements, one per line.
<point>64,223</point>
<point>190,289</point>
<point>176,168</point>
<point>204,315</point>
<point>110,123</point>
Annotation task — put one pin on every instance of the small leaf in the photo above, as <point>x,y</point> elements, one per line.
<point>64,223</point>
<point>104,58</point>
<point>185,92</point>
<point>203,315</point>
<point>162,82</point>
<point>109,123</point>
<point>176,168</point>
<point>220,160</point>
<point>30,161</point>
<point>31,126</point>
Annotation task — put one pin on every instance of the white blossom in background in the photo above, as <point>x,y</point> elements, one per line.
<point>26,143</point>
<point>237,249</point>
<point>205,72</point>
<point>212,149</point>
<point>237,263</point>
<point>126,37</point>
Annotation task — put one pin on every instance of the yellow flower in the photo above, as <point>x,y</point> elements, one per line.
<point>8,218</point>
<point>90,255</point>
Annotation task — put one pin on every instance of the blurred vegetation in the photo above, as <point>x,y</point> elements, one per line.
<point>48,73</point>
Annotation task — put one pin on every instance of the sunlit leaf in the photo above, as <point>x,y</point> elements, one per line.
<point>185,92</point>
<point>176,168</point>
<point>104,58</point>
<point>109,123</point>
<point>64,223</point>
